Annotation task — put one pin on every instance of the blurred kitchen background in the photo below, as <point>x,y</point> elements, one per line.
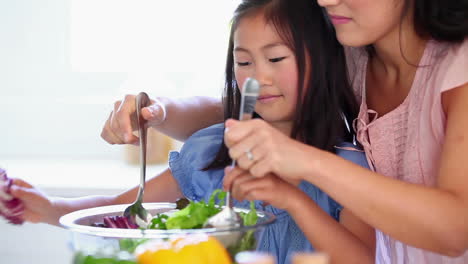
<point>62,65</point>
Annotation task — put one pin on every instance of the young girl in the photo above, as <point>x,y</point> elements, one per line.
<point>297,71</point>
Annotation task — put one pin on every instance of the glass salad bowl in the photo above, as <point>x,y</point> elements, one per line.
<point>91,244</point>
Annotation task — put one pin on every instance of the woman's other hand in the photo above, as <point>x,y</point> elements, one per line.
<point>122,121</point>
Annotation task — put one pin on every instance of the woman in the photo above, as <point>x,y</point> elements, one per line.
<point>408,65</point>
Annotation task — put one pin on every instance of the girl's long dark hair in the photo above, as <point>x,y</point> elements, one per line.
<point>320,115</point>
<point>443,20</point>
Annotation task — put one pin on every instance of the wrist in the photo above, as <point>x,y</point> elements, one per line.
<point>294,201</point>
<point>314,163</point>
<point>305,164</point>
<point>58,209</point>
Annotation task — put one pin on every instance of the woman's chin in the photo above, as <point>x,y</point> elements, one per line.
<point>351,40</point>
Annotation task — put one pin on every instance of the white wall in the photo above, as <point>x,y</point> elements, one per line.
<point>64,62</point>
<point>62,65</point>
<point>39,94</point>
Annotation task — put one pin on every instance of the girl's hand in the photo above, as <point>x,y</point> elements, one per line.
<point>38,208</point>
<point>271,151</point>
<point>244,186</point>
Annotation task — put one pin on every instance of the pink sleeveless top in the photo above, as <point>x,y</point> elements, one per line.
<point>406,143</point>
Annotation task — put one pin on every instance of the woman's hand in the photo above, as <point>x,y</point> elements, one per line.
<point>262,149</point>
<point>244,186</point>
<point>38,208</point>
<point>122,121</point>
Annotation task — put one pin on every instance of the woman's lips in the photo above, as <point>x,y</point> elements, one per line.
<point>337,20</point>
<point>267,98</point>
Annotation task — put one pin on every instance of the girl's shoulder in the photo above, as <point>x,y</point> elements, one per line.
<point>211,131</point>
<point>199,148</point>
<point>206,136</point>
<point>187,165</point>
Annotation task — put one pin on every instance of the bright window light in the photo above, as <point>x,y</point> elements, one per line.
<point>149,35</point>
<point>66,63</point>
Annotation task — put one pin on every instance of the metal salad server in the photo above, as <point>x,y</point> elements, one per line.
<point>228,217</point>
<point>136,213</point>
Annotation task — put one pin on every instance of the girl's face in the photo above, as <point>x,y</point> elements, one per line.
<point>364,22</point>
<point>259,52</point>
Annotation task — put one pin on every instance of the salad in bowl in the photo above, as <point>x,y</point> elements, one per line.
<point>101,235</point>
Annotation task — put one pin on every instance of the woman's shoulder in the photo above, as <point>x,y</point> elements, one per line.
<point>452,62</point>
<point>457,50</point>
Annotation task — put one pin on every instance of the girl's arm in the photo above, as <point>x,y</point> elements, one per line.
<point>41,208</point>
<point>177,118</point>
<point>160,188</point>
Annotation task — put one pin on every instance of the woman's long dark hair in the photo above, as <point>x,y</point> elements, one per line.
<point>319,117</point>
<point>443,20</point>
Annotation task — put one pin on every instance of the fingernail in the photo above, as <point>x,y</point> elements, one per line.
<point>153,109</point>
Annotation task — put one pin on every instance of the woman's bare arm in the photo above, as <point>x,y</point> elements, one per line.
<point>188,115</point>
<point>428,217</point>
<point>433,218</point>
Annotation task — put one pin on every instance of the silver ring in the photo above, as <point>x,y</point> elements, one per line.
<point>249,154</point>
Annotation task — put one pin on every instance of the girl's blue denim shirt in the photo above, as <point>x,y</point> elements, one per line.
<point>281,238</point>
